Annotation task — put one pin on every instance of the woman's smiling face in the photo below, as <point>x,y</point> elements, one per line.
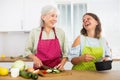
<point>50,18</point>
<point>89,22</point>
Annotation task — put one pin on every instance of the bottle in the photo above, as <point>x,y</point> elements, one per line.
<point>3,56</point>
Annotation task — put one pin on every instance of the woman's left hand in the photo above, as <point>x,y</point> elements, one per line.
<point>60,66</point>
<point>106,58</point>
<point>62,63</point>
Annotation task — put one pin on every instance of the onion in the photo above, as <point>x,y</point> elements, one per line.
<point>30,70</point>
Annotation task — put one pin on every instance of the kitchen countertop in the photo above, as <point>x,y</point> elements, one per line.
<point>74,75</point>
<point>12,59</point>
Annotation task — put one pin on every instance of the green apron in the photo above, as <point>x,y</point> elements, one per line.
<point>97,52</point>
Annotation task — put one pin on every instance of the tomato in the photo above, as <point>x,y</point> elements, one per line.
<point>44,72</point>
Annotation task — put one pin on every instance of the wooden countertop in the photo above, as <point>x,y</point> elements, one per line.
<point>74,75</point>
<point>12,59</point>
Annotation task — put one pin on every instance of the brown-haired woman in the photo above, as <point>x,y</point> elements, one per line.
<point>90,46</point>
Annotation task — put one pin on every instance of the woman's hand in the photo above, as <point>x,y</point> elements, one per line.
<point>82,58</point>
<point>61,65</point>
<point>106,58</point>
<point>36,60</point>
<point>86,57</point>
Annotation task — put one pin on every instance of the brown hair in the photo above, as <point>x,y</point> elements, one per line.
<point>98,27</point>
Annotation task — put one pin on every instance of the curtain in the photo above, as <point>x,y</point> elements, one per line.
<point>70,19</point>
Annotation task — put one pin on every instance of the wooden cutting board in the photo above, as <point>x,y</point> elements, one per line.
<point>64,73</point>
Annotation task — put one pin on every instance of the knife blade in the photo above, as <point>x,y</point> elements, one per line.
<point>46,67</point>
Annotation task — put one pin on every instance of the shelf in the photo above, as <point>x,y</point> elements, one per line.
<point>12,59</point>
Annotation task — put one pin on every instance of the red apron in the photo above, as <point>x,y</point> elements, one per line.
<point>49,51</point>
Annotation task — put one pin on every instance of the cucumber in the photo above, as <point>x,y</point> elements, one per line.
<point>28,75</point>
<point>34,76</point>
<point>56,71</point>
<point>53,70</point>
<point>25,74</point>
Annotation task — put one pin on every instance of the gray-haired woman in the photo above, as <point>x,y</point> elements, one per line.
<point>47,44</point>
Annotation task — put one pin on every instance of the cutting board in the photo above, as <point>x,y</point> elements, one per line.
<point>64,73</point>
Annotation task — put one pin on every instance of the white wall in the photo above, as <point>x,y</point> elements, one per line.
<point>13,43</point>
<point>109,13</point>
<point>1,43</point>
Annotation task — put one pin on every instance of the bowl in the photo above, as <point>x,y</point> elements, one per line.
<point>104,65</point>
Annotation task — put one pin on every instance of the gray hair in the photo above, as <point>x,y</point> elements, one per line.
<point>46,9</point>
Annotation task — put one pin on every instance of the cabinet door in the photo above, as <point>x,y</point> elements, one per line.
<point>10,15</point>
<point>32,10</point>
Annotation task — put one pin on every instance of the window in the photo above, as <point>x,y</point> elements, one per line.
<point>70,19</point>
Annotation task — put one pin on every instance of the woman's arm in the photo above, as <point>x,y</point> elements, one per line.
<point>64,47</point>
<point>82,58</point>
<point>29,49</point>
<point>29,44</point>
<point>108,51</point>
<point>62,63</point>
<point>64,52</point>
<point>76,42</point>
<point>36,60</point>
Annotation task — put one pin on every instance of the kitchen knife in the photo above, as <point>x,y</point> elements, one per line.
<point>46,67</point>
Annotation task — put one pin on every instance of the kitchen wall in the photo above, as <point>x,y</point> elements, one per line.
<point>1,43</point>
<point>12,43</point>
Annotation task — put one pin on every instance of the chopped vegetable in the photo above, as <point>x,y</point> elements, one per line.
<point>53,70</point>
<point>28,75</point>
<point>44,72</point>
<point>34,76</point>
<point>25,74</point>
<point>56,71</point>
<point>30,69</point>
<point>49,70</point>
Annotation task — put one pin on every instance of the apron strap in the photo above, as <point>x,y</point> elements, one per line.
<point>42,30</point>
<point>84,41</point>
<point>41,33</point>
<point>54,32</point>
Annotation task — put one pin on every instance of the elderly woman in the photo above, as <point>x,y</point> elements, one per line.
<point>47,44</point>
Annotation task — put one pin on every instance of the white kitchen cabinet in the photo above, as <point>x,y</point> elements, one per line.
<point>17,15</point>
<point>116,65</point>
<point>11,15</point>
<point>32,10</point>
<point>31,14</point>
